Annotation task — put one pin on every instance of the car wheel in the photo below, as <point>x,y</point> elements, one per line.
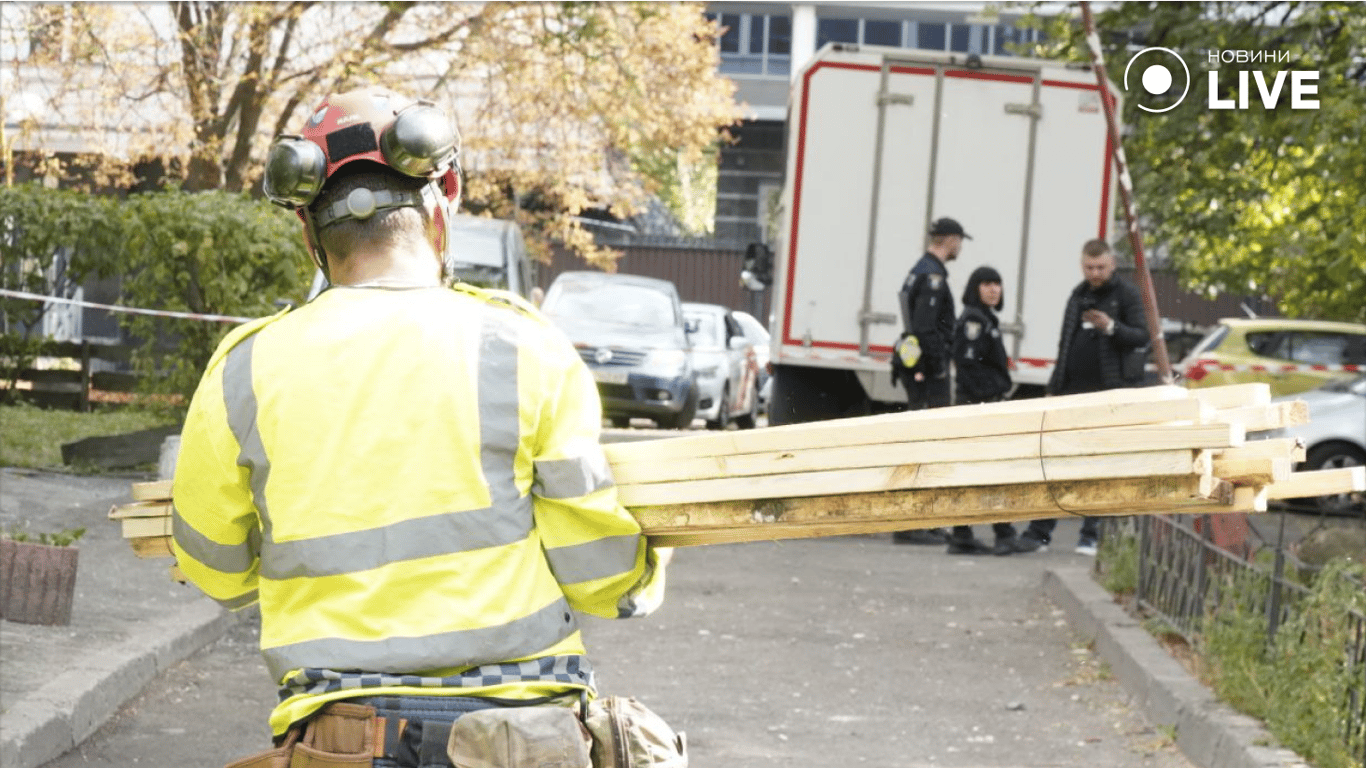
<point>751,419</point>
<point>1336,455</point>
<point>722,411</point>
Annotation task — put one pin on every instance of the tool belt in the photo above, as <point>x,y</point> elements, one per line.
<point>341,735</point>
<point>471,733</point>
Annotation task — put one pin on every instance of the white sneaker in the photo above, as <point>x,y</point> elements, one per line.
<point>1086,546</point>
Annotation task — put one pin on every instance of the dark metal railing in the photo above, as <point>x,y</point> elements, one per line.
<point>1184,579</point>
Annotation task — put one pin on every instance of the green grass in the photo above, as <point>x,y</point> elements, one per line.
<point>32,437</point>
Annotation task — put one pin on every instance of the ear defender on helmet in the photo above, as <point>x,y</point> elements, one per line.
<point>412,137</point>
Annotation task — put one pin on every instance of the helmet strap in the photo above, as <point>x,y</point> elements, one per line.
<point>315,243</point>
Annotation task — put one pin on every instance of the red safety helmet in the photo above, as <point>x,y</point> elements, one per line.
<point>374,125</point>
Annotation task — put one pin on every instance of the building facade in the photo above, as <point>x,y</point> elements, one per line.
<point>764,45</point>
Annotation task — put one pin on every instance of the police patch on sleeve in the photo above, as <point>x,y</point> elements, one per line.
<point>973,330</point>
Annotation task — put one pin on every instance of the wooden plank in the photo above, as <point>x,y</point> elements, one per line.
<point>152,546</point>
<point>989,448</point>
<point>1234,395</point>
<point>934,424</point>
<point>1247,500</point>
<point>1028,500</point>
<point>763,519</point>
<point>1256,471</point>
<point>1322,482</point>
<point>142,527</point>
<point>1263,417</point>
<point>906,476</point>
<point>140,509</point>
<point>154,491</point>
<point>1291,448</point>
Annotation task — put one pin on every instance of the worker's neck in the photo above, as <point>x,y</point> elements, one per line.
<point>401,268</point>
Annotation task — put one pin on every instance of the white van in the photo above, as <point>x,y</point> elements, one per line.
<point>488,253</point>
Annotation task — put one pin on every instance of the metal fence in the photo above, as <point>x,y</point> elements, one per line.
<point>1186,580</point>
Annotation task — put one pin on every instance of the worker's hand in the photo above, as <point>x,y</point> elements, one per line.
<point>1100,320</point>
<point>662,556</point>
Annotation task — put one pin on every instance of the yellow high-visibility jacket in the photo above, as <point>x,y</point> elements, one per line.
<point>410,482</point>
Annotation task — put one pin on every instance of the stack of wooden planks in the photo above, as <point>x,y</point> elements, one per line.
<point>1122,452</point>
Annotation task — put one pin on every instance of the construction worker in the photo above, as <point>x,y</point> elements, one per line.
<point>407,477</point>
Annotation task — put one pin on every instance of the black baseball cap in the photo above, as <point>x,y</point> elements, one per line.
<point>947,226</point>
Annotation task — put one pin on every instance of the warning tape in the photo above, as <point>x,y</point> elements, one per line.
<point>1200,368</point>
<point>130,310</point>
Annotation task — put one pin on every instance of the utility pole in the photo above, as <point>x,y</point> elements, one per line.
<point>1145,280</point>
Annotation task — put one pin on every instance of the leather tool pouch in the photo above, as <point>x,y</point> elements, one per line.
<point>341,735</point>
<point>541,736</point>
<point>627,734</point>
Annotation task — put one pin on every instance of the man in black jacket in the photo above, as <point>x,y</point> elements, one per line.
<point>927,313</point>
<point>1102,346</point>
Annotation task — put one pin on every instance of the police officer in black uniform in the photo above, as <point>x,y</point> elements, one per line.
<point>982,375</point>
<point>927,313</point>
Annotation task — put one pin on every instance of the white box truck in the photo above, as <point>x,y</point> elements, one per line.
<point>883,140</point>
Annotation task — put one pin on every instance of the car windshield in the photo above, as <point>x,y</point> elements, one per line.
<point>634,305</point>
<point>709,330</point>
<point>481,246</point>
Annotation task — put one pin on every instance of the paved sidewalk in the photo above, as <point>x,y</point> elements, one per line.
<point>130,622</point>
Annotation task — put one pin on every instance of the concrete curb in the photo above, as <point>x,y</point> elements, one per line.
<point>1211,734</point>
<point>64,712</point>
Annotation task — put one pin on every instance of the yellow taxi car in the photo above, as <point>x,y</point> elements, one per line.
<point>1291,355</point>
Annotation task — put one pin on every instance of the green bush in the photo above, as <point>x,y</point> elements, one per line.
<point>1302,684</point>
<point>209,253</point>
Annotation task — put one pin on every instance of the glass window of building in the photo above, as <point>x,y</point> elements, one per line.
<point>930,35</point>
<point>836,31</point>
<point>755,44</point>
<point>960,38</point>
<point>882,32</point>
<point>730,34</point>
<point>1006,34</point>
<point>779,35</point>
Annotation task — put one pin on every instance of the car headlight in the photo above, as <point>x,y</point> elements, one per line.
<point>708,372</point>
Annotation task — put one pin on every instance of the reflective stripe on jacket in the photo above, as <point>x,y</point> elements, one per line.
<point>410,483</point>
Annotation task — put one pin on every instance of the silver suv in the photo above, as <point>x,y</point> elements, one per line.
<point>631,332</point>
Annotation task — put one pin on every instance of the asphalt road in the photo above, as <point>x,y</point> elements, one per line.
<point>832,652</point>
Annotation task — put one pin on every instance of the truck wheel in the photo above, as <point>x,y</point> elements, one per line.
<point>802,394</point>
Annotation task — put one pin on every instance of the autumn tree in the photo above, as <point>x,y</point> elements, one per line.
<point>563,106</point>
<point>1268,201</point>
